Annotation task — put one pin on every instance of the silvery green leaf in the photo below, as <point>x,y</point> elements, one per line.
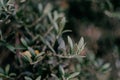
<point>38,78</point>
<point>27,58</point>
<point>113,14</point>
<point>31,51</point>
<point>56,78</point>
<point>73,75</point>
<point>47,43</point>
<point>63,21</point>
<point>55,15</point>
<point>2,3</point>
<point>55,25</point>
<point>81,45</point>
<point>12,74</point>
<point>70,42</point>
<point>65,31</point>
<point>61,43</point>
<point>40,7</point>
<point>106,66</point>
<point>81,42</point>
<point>47,9</point>
<point>24,42</point>
<point>39,55</point>
<point>27,78</point>
<point>62,72</point>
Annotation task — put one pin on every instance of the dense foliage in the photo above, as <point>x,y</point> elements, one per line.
<point>59,40</point>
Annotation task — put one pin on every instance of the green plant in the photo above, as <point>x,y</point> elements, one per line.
<point>33,31</point>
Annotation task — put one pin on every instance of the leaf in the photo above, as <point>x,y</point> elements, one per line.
<point>2,75</point>
<point>1,70</point>
<point>63,21</point>
<point>55,15</point>
<point>112,14</point>
<point>27,58</point>
<point>61,44</point>
<point>47,43</point>
<point>40,7</point>
<point>106,66</point>
<point>81,42</point>
<point>55,25</point>
<point>7,68</point>
<point>65,31</point>
<point>31,51</point>
<point>27,78</point>
<point>47,8</point>
<point>39,55</point>
<point>2,3</point>
<point>12,74</point>
<point>70,42</point>
<point>62,72</point>
<point>24,42</point>
<point>81,45</point>
<point>38,78</point>
<point>73,75</point>
<point>10,47</point>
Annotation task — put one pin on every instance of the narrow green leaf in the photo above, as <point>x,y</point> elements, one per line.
<point>38,78</point>
<point>106,66</point>
<point>55,25</point>
<point>81,42</point>
<point>73,75</point>
<point>7,68</point>
<point>24,42</point>
<point>39,55</point>
<point>47,43</point>
<point>63,21</point>
<point>62,72</point>
<point>2,75</point>
<point>11,48</point>
<point>12,74</point>
<point>112,14</point>
<point>31,51</point>
<point>27,78</point>
<point>40,7</point>
<point>28,59</point>
<point>70,42</point>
